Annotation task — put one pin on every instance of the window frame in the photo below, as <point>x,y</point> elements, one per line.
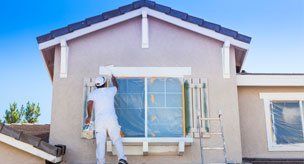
<point>268,98</point>
<point>151,72</point>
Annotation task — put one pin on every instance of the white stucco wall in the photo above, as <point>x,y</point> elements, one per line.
<point>12,155</point>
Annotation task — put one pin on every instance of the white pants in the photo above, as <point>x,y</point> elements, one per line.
<point>113,129</point>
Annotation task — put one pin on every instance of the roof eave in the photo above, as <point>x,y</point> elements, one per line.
<point>29,148</point>
<point>270,80</point>
<point>148,4</point>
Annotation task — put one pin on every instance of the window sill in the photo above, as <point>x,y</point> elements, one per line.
<point>145,146</point>
<point>291,147</point>
<point>157,139</point>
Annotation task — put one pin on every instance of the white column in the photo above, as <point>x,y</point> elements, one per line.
<point>144,30</point>
<point>226,59</point>
<point>64,55</point>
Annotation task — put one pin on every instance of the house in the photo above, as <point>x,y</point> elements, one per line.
<point>28,143</point>
<point>172,68</point>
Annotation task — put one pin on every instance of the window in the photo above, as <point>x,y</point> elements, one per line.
<point>285,121</point>
<point>157,107</point>
<point>150,107</point>
<point>165,107</point>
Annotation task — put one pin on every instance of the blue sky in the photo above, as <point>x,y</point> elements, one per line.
<point>276,26</point>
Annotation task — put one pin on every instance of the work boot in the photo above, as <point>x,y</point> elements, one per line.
<point>122,161</point>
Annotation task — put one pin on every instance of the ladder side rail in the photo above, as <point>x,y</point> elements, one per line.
<point>223,137</point>
<point>201,141</point>
<point>196,99</point>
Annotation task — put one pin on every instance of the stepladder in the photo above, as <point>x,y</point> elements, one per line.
<point>219,133</point>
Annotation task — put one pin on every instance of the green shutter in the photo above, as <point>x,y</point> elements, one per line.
<point>187,106</point>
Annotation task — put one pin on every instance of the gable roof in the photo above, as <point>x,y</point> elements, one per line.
<point>136,5</point>
<point>142,8</point>
<point>24,141</point>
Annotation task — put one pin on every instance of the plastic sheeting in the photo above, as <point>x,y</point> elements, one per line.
<point>287,122</point>
<point>164,107</point>
<point>129,106</point>
<point>164,122</point>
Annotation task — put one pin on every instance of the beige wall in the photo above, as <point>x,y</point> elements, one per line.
<point>120,45</point>
<point>253,124</point>
<point>11,155</point>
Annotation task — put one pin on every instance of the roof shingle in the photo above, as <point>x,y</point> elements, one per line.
<point>211,26</point>
<point>195,20</point>
<point>138,4</point>
<point>40,131</point>
<point>78,25</point>
<point>94,19</point>
<point>162,8</point>
<point>178,14</point>
<point>59,32</point>
<point>228,32</point>
<point>126,8</point>
<point>243,38</point>
<point>9,131</point>
<point>54,150</point>
<point>111,14</point>
<point>32,140</point>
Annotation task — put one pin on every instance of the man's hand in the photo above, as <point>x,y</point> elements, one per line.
<point>114,81</point>
<point>88,120</point>
<point>113,77</point>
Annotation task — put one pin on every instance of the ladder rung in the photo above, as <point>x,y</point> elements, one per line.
<point>210,119</point>
<point>213,148</point>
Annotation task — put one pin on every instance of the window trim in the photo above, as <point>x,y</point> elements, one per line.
<point>145,71</point>
<point>148,72</point>
<point>268,97</point>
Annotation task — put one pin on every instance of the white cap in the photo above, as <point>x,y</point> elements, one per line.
<point>99,81</point>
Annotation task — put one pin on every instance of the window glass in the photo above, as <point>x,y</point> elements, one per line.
<point>164,107</point>
<point>156,99</point>
<point>173,85</point>
<point>173,100</point>
<point>130,106</point>
<point>156,85</point>
<point>287,122</point>
<point>164,122</point>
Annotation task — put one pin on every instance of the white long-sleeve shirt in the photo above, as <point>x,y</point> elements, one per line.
<point>103,99</point>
